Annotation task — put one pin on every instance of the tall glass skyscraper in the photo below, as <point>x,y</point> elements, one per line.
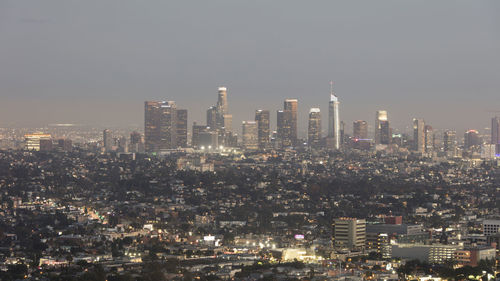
<point>382,128</point>
<point>314,128</point>
<point>333,119</point>
<point>290,105</point>
<point>160,125</point>
<point>495,133</point>
<point>262,119</point>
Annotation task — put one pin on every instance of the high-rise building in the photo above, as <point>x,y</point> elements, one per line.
<point>349,233</point>
<point>429,139</point>
<point>471,139</point>
<point>495,133</point>
<point>360,129</point>
<point>212,117</point>
<point>284,118</point>
<point>263,128</point>
<point>107,140</point>
<point>36,141</point>
<point>449,141</point>
<point>290,105</point>
<point>314,128</point>
<point>135,142</point>
<point>382,128</point>
<point>195,137</point>
<point>182,131</point>
<point>419,135</point>
<point>122,144</point>
<point>160,125</point>
<point>333,120</point>
<point>228,122</point>
<point>250,135</point>
<point>222,107</point>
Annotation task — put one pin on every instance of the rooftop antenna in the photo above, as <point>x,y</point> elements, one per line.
<point>331,88</point>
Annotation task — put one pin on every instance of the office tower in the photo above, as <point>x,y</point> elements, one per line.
<point>195,137</point>
<point>429,139</point>
<point>290,105</point>
<point>349,233</point>
<point>471,139</point>
<point>212,117</point>
<point>33,141</point>
<point>333,120</point>
<point>230,140</point>
<point>360,130</point>
<point>222,107</point>
<point>419,135</point>
<point>107,140</point>
<point>284,118</point>
<point>122,144</point>
<point>160,125</point>
<point>135,142</point>
<point>250,139</point>
<point>495,133</point>
<point>262,119</point>
<point>314,128</point>
<point>449,140</point>
<point>227,122</point>
<point>382,128</point>
<point>182,131</point>
<point>495,130</point>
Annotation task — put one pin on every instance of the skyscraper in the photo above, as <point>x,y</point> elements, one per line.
<point>495,133</point>
<point>195,136</point>
<point>228,122</point>
<point>419,135</point>
<point>471,139</point>
<point>250,135</point>
<point>314,128</point>
<point>360,129</point>
<point>34,141</point>
<point>222,107</point>
<point>382,128</point>
<point>107,140</point>
<point>290,105</point>
<point>160,125</point>
<point>333,119</point>
<point>212,117</point>
<point>284,128</point>
<point>263,128</point>
<point>429,139</point>
<point>449,140</point>
<point>495,130</point>
<point>219,120</point>
<point>135,142</point>
<point>181,121</point>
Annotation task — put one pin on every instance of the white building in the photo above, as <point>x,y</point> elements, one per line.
<point>491,227</point>
<point>333,119</point>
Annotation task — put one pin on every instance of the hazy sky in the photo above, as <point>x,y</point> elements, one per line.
<point>96,62</point>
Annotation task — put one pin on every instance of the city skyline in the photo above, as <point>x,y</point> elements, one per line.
<point>51,74</point>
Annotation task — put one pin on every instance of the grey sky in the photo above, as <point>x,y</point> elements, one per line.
<point>95,62</point>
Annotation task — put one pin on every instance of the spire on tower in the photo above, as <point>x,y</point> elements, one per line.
<point>333,97</point>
